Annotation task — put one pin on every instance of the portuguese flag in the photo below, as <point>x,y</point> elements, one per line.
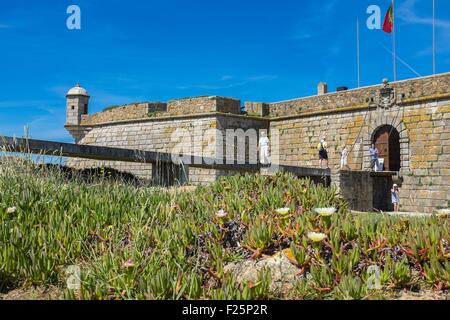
<point>388,24</point>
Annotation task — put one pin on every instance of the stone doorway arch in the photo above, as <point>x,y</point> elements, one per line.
<point>390,119</point>
<point>387,141</point>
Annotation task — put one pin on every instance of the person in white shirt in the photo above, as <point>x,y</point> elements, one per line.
<point>344,157</point>
<point>264,144</point>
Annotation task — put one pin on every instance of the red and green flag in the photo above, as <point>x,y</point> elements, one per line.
<point>388,24</point>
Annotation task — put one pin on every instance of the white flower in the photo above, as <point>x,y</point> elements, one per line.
<point>283,211</point>
<point>11,210</point>
<point>316,237</point>
<point>221,214</point>
<point>325,212</point>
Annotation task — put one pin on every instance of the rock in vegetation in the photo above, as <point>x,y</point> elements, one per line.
<point>283,273</point>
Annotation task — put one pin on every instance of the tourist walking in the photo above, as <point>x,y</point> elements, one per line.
<point>264,145</point>
<point>323,152</point>
<point>374,162</point>
<point>344,157</point>
<point>395,195</point>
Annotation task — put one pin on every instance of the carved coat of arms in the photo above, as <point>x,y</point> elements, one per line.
<point>385,97</point>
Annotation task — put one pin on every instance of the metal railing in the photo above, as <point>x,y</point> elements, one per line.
<point>71,150</point>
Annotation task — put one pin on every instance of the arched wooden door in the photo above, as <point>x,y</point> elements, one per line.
<point>387,141</point>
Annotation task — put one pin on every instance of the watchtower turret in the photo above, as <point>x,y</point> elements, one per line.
<point>77,105</point>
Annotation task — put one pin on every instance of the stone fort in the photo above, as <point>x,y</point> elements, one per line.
<point>407,120</point>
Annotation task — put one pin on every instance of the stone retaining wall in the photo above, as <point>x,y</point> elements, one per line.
<point>366,191</point>
<point>150,136</point>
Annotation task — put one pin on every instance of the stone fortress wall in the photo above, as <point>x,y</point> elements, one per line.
<point>151,135</point>
<point>421,117</point>
<point>413,90</point>
<point>424,146</point>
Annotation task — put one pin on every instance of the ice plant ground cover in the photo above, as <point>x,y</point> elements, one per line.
<point>135,242</point>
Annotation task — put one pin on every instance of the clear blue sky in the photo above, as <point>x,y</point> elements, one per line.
<point>146,50</point>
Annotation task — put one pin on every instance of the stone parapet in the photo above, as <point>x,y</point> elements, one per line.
<point>127,112</point>
<point>204,105</point>
<point>259,109</point>
<point>410,89</point>
<point>148,110</point>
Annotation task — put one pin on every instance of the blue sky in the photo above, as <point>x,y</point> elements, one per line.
<point>145,50</point>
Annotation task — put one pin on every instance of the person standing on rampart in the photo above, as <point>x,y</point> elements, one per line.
<point>344,157</point>
<point>323,152</point>
<point>374,161</point>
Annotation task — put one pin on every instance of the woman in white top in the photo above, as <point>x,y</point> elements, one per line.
<point>344,157</point>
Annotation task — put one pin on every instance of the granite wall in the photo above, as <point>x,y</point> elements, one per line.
<point>123,113</point>
<point>421,117</point>
<point>424,130</point>
<point>411,89</point>
<point>153,135</point>
<point>204,105</point>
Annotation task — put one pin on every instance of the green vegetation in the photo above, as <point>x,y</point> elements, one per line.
<point>120,106</point>
<point>155,114</point>
<point>136,242</point>
<point>109,108</point>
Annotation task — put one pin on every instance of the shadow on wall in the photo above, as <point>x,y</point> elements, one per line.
<point>91,175</point>
<point>367,191</point>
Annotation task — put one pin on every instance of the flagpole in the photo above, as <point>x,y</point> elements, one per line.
<point>393,40</point>
<point>434,37</point>
<point>358,55</point>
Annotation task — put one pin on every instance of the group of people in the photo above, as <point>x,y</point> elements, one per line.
<point>322,147</point>
<point>323,154</point>
<point>375,165</point>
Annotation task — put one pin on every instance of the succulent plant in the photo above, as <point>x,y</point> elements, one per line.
<point>351,288</point>
<point>140,242</point>
<point>300,254</point>
<point>259,237</point>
